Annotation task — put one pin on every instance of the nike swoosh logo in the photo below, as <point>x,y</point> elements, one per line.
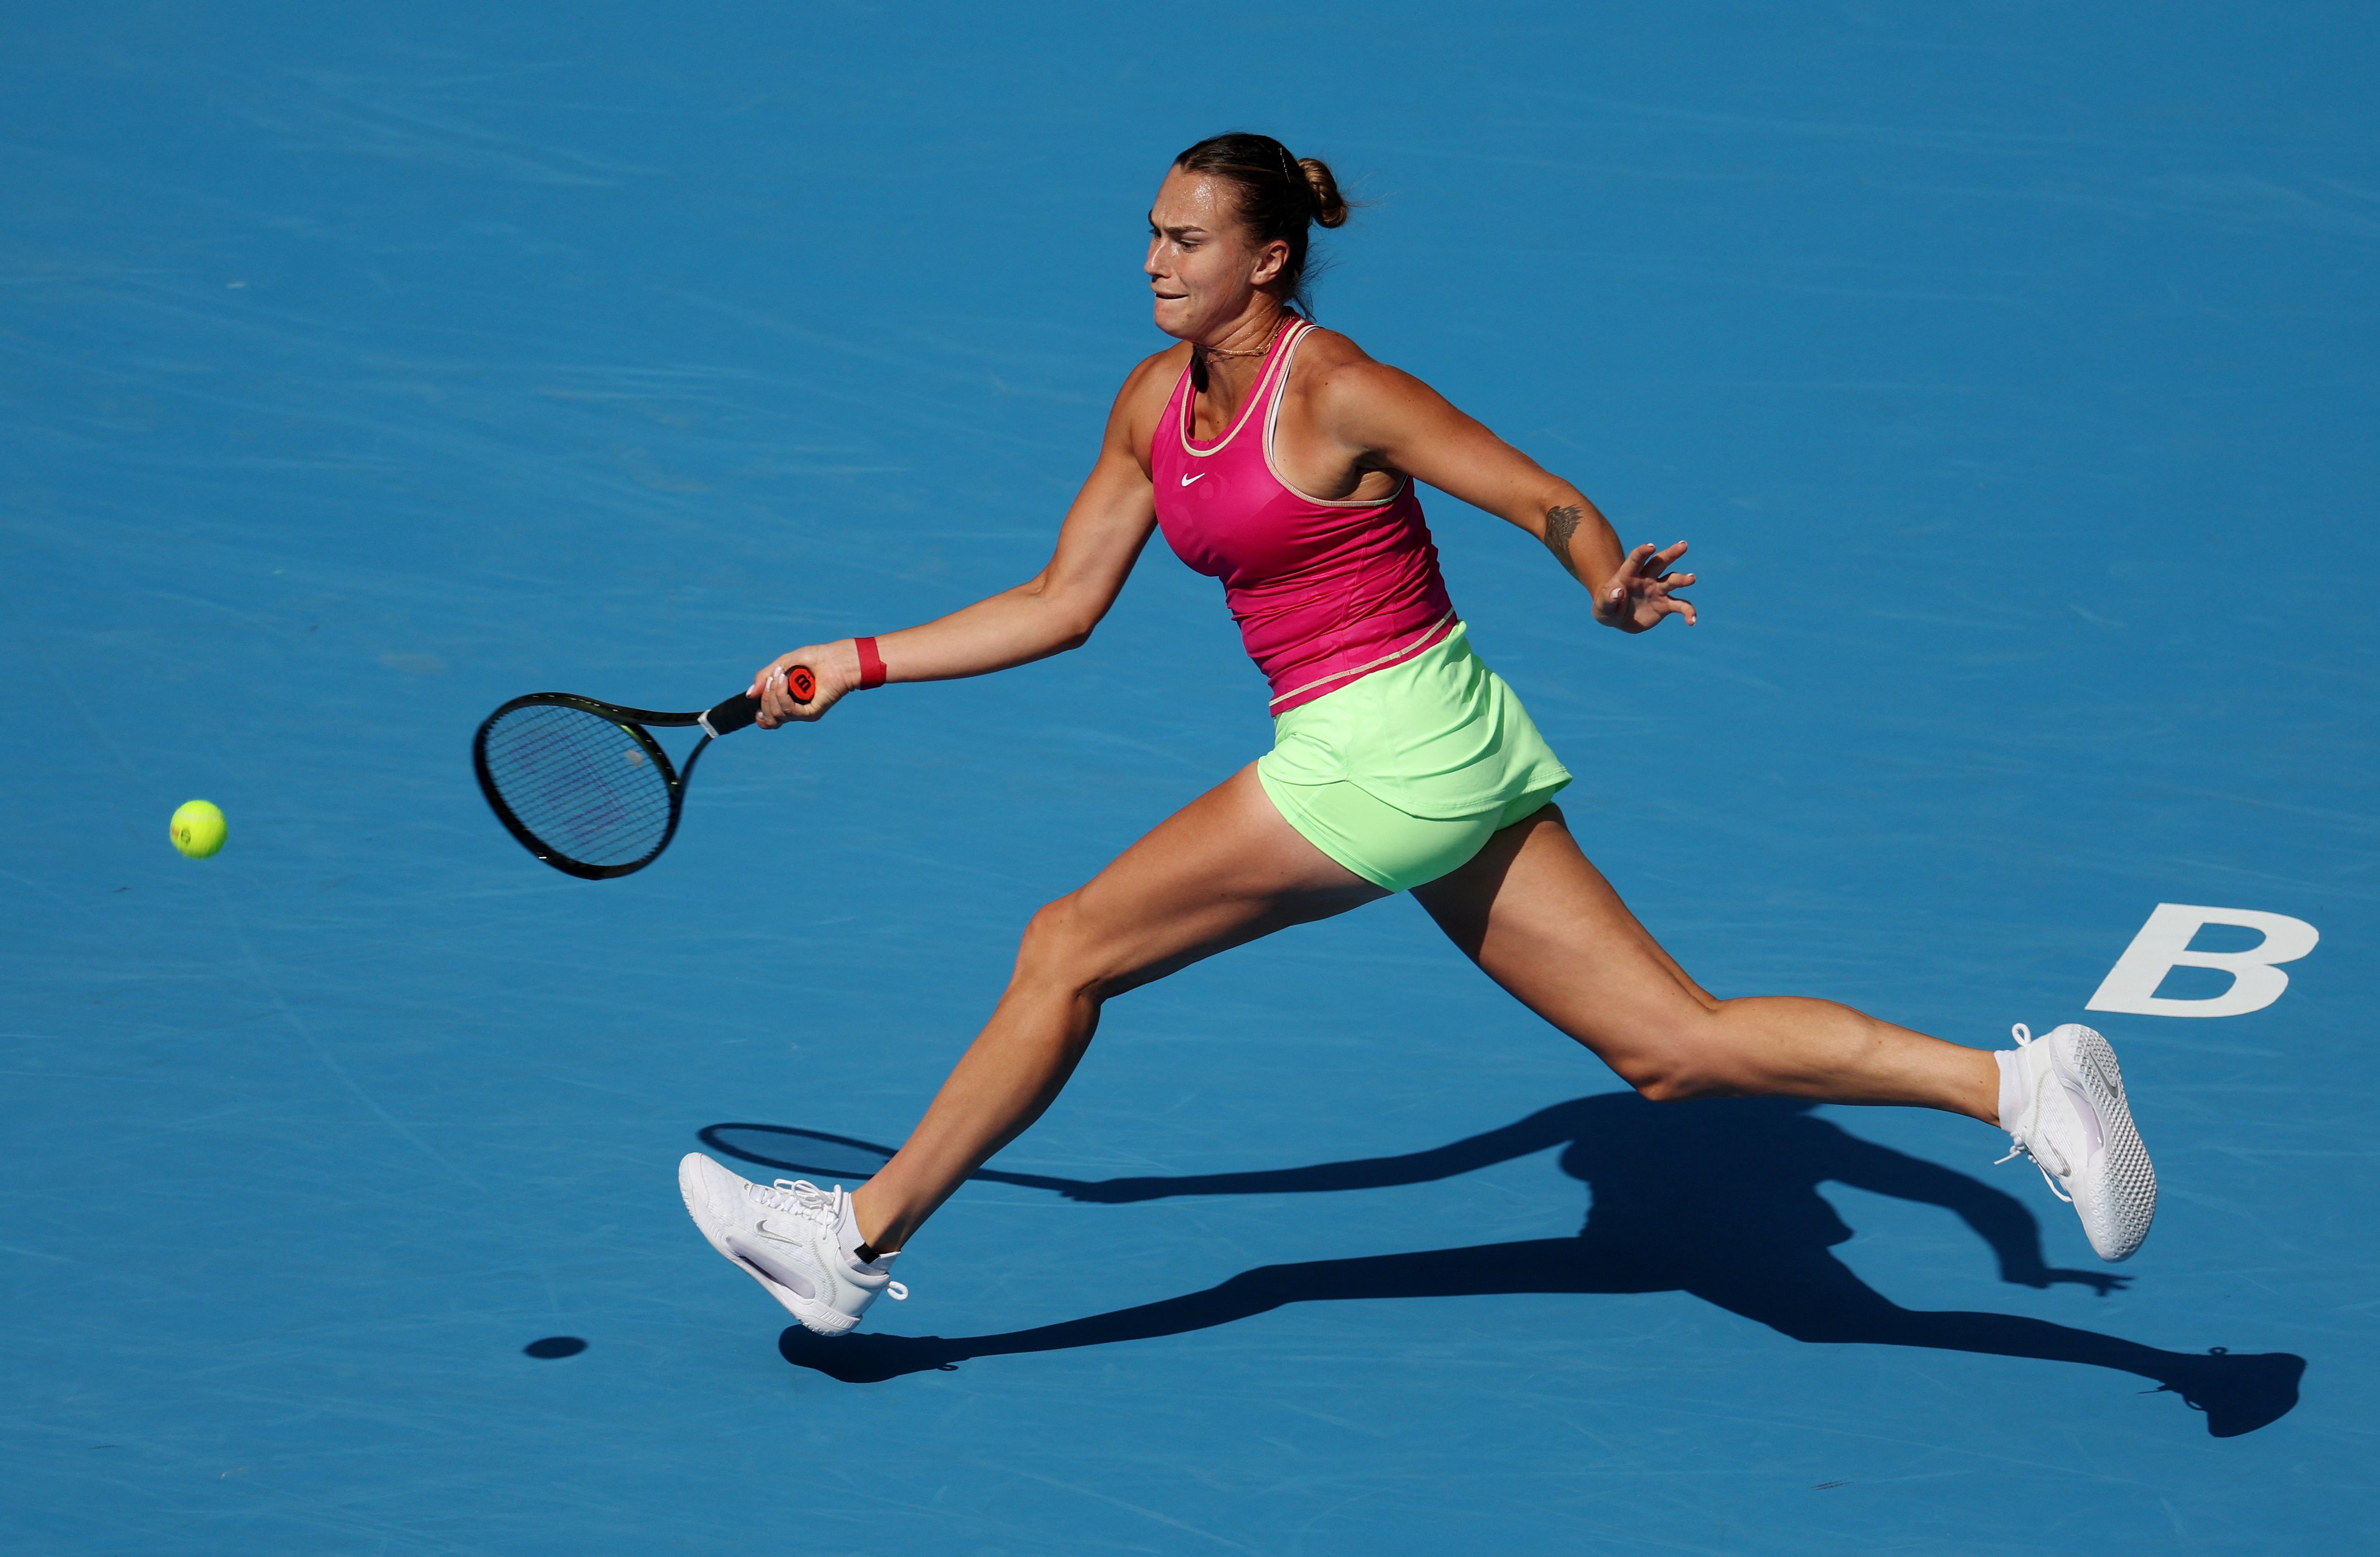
<point>762,1229</point>
<point>1199,477</point>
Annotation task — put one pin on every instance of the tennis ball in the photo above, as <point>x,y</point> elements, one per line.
<point>199,829</point>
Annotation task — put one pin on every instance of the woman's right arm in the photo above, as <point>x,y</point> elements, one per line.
<point>1051,611</point>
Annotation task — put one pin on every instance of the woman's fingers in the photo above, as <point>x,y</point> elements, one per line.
<point>760,688</point>
<point>1647,562</point>
<point>778,706</point>
<point>1641,589</point>
<point>771,687</point>
<point>1656,601</point>
<point>1626,582</point>
<point>780,695</point>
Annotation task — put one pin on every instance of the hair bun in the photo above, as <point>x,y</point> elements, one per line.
<point>1330,205</point>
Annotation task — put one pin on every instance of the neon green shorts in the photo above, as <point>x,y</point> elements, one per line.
<point>1405,775</point>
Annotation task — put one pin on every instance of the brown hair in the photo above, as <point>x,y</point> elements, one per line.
<point>1280,196</point>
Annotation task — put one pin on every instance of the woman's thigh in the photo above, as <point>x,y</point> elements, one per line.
<point>1222,871</point>
<point>1539,919</point>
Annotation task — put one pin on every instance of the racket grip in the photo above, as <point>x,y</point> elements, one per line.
<point>738,711</point>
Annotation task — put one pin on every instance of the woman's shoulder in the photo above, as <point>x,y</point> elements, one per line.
<point>1329,349</point>
<point>1140,404</point>
<point>1153,377</point>
<point>1160,367</point>
<point>1335,375</point>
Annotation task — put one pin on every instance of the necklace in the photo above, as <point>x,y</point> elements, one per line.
<point>1252,351</point>
<point>1199,354</point>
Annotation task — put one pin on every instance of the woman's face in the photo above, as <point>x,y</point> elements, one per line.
<point>1202,268</point>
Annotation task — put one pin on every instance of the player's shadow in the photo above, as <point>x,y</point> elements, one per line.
<point>1716,1199</point>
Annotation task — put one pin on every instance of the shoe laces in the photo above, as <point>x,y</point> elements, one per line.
<point>799,1196</point>
<point>2026,1137</point>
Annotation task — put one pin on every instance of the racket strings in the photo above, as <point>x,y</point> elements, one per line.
<point>583,787</point>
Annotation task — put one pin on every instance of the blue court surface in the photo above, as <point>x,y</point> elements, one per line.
<point>2011,368</point>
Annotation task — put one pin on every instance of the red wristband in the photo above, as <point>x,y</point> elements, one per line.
<point>872,665</point>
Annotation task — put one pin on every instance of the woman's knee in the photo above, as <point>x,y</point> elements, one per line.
<point>1057,950</point>
<point>1679,1059</point>
<point>1665,1080</point>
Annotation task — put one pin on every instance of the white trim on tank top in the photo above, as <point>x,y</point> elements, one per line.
<point>1274,357</point>
<point>1408,652</point>
<point>1272,415</point>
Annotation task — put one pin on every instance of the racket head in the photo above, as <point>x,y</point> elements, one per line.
<point>823,1158</point>
<point>579,784</point>
<point>814,1154</point>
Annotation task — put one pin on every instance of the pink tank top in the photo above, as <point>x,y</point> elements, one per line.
<point>1325,592</point>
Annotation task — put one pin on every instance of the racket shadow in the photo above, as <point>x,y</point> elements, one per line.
<point>827,1158</point>
<point>1716,1199</point>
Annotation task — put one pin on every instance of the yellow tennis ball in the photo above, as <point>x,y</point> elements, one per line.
<point>199,829</point>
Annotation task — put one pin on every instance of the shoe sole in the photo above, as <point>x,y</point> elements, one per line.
<point>816,1317</point>
<point>2126,1191</point>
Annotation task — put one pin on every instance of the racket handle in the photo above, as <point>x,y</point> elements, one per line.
<point>741,709</point>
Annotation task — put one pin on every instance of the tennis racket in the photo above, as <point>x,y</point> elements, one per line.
<point>584,786</point>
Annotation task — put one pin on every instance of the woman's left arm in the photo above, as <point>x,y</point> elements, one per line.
<point>1391,421</point>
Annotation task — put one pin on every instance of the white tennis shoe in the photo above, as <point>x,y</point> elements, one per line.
<point>794,1238</point>
<point>2062,1104</point>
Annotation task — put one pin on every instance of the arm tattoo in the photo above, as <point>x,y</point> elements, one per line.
<point>1561,523</point>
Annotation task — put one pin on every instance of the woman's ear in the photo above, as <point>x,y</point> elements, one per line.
<point>1269,262</point>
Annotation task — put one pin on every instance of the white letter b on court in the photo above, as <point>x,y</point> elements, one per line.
<point>2163,944</point>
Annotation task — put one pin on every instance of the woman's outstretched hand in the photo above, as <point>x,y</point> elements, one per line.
<point>836,668</point>
<point>1645,590</point>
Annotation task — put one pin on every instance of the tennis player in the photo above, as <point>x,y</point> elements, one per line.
<point>1277,457</point>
